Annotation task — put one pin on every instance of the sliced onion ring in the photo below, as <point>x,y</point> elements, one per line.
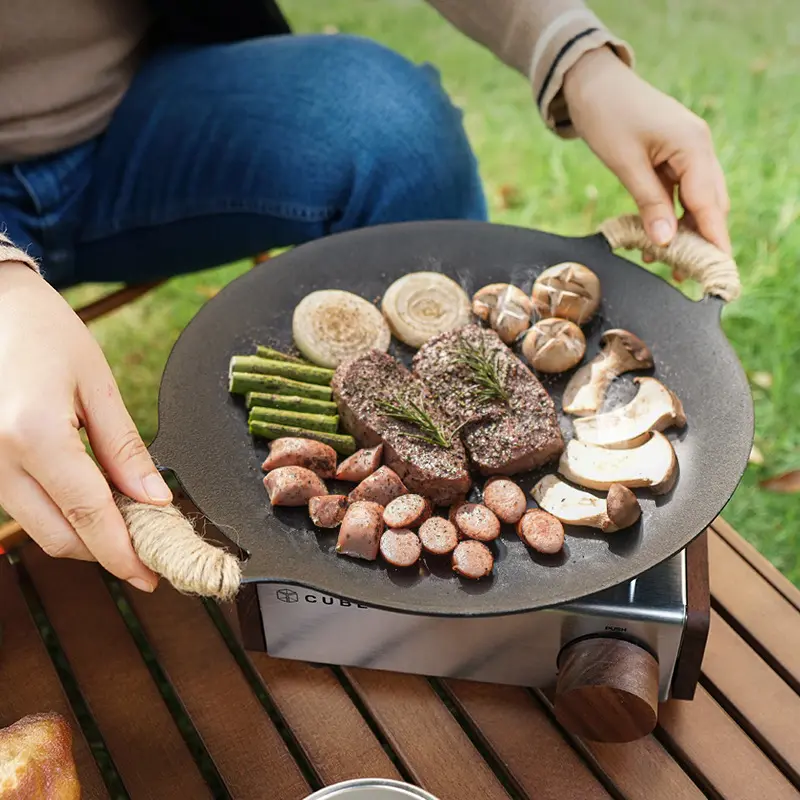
<point>421,305</point>
<point>331,326</point>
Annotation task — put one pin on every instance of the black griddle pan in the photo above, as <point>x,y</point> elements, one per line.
<point>203,436</point>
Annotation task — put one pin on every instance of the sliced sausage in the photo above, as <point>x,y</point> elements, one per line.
<point>541,531</point>
<point>438,536</point>
<point>381,487</point>
<point>296,452</point>
<point>360,532</point>
<point>407,511</point>
<point>328,511</point>
<point>293,486</point>
<point>401,547</point>
<point>503,497</point>
<point>360,465</point>
<point>451,514</point>
<point>472,560</point>
<point>477,522</point>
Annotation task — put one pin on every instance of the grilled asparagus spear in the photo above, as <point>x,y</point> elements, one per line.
<point>341,443</point>
<point>284,369</point>
<point>290,403</point>
<point>262,351</point>
<point>295,419</point>
<point>244,382</point>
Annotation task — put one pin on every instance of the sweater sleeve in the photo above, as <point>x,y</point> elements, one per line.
<point>8,252</point>
<point>541,39</point>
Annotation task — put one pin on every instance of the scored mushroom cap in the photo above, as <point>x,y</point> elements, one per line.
<point>623,342</point>
<point>489,297</point>
<point>622,507</point>
<point>554,345</point>
<point>569,290</point>
<point>505,307</point>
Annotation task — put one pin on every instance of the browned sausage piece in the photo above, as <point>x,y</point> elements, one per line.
<point>293,486</point>
<point>472,560</point>
<point>296,452</point>
<point>438,536</point>
<point>360,533</point>
<point>477,522</point>
<point>505,499</point>
<point>360,465</point>
<point>328,511</point>
<point>381,487</point>
<point>407,511</point>
<point>541,531</point>
<point>400,547</point>
<point>451,514</point>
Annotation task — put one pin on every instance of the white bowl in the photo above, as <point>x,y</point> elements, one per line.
<point>371,789</point>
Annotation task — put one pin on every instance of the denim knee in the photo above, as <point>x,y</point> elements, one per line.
<point>406,138</point>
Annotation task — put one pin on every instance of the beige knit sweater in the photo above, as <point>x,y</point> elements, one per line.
<point>65,65</point>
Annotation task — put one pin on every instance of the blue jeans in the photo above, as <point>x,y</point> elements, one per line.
<point>218,153</point>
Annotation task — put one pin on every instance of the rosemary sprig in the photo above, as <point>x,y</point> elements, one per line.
<point>486,371</point>
<point>415,414</point>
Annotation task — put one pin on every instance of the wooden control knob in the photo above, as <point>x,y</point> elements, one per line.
<point>607,690</point>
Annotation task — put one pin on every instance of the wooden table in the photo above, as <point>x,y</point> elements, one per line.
<point>172,707</point>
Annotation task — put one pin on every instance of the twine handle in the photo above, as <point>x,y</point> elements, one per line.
<point>166,541</point>
<point>689,255</point>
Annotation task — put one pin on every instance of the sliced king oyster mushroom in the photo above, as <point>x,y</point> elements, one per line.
<point>655,408</point>
<point>330,326</point>
<point>421,305</point>
<point>621,352</point>
<point>620,509</point>
<point>570,291</point>
<point>505,307</point>
<point>652,465</point>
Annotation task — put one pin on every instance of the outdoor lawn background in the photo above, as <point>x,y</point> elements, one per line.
<point>735,62</point>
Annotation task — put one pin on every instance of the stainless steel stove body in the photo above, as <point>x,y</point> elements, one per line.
<point>518,649</point>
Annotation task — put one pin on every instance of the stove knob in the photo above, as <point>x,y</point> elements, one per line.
<point>607,690</point>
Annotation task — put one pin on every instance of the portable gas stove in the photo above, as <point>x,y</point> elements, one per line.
<point>655,623</point>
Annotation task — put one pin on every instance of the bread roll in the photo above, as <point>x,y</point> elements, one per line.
<point>36,760</point>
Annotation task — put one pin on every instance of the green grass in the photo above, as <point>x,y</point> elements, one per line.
<point>734,63</point>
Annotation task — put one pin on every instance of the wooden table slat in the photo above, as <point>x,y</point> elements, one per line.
<point>710,744</point>
<point>517,730</point>
<point>326,724</point>
<point>755,605</point>
<point>631,767</point>
<point>763,702</point>
<point>245,745</point>
<point>767,570</point>
<point>31,684</point>
<point>324,720</point>
<point>644,770</point>
<point>146,746</point>
<point>422,731</point>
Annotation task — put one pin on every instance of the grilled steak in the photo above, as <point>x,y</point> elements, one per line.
<point>438,473</point>
<point>501,437</point>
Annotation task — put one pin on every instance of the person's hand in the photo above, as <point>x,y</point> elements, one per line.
<point>653,144</point>
<point>55,380</point>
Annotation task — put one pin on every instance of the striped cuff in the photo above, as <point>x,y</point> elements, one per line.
<point>10,253</point>
<point>558,48</point>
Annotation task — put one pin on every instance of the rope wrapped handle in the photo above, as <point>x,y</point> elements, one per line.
<point>168,543</point>
<point>689,255</point>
